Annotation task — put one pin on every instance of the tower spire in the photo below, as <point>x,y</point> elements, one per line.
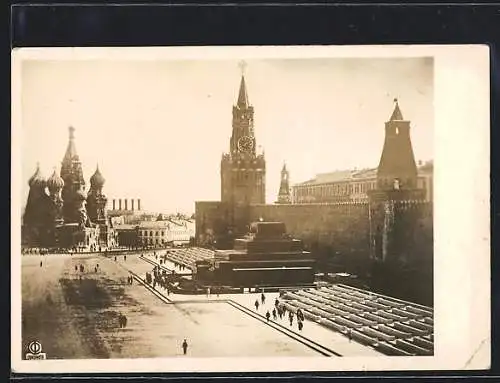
<point>71,149</point>
<point>396,114</point>
<point>243,95</point>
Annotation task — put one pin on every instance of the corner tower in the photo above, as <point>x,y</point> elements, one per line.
<point>397,168</point>
<point>243,170</point>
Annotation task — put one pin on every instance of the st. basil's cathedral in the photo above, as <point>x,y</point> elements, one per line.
<point>61,214</point>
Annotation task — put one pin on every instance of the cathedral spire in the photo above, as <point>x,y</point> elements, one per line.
<point>396,114</point>
<point>71,149</point>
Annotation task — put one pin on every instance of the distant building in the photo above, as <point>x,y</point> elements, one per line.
<point>352,185</point>
<point>157,233</point>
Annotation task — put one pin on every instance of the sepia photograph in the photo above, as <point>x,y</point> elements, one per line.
<point>243,203</point>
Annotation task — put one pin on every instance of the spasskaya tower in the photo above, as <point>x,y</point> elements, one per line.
<point>243,170</point>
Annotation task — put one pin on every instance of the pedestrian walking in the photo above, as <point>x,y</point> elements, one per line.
<point>274,313</point>
<point>95,269</point>
<point>268,315</point>
<point>124,257</point>
<point>300,325</point>
<point>115,258</point>
<point>41,263</point>
<point>349,335</point>
<point>276,303</point>
<point>263,298</point>
<point>184,346</point>
<point>257,305</point>
<point>76,268</point>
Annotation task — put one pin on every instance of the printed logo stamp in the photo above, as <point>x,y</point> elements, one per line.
<point>35,351</point>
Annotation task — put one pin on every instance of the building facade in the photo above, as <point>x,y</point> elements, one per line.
<point>352,185</point>
<point>160,233</point>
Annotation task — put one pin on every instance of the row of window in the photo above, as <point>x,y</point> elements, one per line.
<point>334,189</point>
<point>157,241</point>
<point>145,233</point>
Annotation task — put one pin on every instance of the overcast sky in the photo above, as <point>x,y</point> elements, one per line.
<point>158,128</point>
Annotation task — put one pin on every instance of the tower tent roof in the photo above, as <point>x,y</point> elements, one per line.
<point>243,95</point>
<point>396,114</point>
<point>71,149</point>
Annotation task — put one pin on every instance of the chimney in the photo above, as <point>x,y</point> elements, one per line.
<point>139,204</point>
<point>132,201</point>
<point>120,204</point>
<point>126,203</point>
<point>114,204</point>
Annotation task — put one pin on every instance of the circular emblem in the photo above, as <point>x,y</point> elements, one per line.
<point>245,144</point>
<point>35,347</point>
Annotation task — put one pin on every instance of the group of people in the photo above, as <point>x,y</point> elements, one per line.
<point>158,278</point>
<point>280,310</point>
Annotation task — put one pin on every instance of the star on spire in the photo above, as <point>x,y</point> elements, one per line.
<point>243,65</point>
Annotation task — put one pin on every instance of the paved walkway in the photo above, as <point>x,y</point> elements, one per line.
<point>311,330</point>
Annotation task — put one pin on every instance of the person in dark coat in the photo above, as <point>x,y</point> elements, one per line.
<point>256,304</point>
<point>76,268</point>
<point>263,298</point>
<point>300,325</point>
<point>268,315</point>
<point>184,346</point>
<point>274,313</point>
<point>41,263</point>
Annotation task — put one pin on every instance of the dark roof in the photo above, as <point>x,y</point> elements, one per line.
<point>396,114</point>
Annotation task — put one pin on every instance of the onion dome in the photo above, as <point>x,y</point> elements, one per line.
<point>81,195</point>
<point>97,180</point>
<point>37,179</point>
<point>55,182</point>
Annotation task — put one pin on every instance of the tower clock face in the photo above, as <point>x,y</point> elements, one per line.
<point>245,144</point>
